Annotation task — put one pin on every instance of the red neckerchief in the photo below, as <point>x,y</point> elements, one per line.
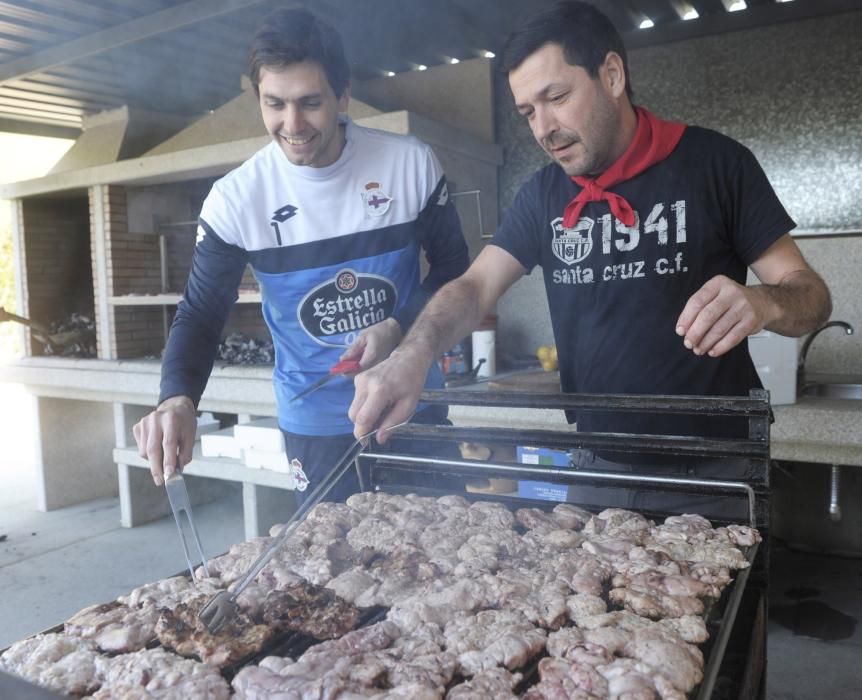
<point>654,141</point>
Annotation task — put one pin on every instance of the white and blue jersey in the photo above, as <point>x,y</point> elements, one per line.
<point>334,250</point>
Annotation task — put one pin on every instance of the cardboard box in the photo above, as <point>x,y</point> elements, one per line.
<point>542,490</point>
<point>264,459</point>
<point>262,434</point>
<point>221,443</point>
<point>542,455</point>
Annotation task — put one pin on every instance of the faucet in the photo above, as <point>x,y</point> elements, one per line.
<point>800,368</point>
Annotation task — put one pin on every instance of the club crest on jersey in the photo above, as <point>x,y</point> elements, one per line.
<point>341,307</point>
<point>571,245</point>
<point>300,480</point>
<point>375,200</point>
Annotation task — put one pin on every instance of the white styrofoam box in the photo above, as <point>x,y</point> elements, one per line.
<point>221,443</point>
<point>207,423</point>
<point>266,459</point>
<point>775,359</point>
<point>261,434</point>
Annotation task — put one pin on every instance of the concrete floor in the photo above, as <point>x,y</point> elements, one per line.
<point>815,641</point>
<point>53,564</point>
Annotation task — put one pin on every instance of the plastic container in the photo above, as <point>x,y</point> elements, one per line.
<point>454,362</point>
<point>775,359</point>
<point>484,340</point>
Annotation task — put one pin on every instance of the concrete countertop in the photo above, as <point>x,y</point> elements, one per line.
<point>231,388</point>
<point>826,431</point>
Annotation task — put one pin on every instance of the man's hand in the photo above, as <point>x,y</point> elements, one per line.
<point>387,394</point>
<point>720,315</point>
<point>166,437</point>
<point>374,344</point>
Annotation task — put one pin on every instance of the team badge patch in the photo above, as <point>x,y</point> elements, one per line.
<point>571,245</point>
<point>300,480</point>
<point>376,201</point>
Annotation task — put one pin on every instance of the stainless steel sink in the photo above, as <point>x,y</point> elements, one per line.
<point>833,391</point>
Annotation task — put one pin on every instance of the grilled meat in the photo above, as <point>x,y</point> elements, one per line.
<point>58,662</point>
<point>493,638</point>
<point>493,684</point>
<point>115,627</point>
<point>309,609</point>
<point>156,673</point>
<point>181,630</point>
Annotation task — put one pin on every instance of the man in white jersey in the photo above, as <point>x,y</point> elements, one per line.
<point>331,217</point>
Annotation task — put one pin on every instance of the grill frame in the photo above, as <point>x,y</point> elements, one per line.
<point>754,451</point>
<point>750,587</point>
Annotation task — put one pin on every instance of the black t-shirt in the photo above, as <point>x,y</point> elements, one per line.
<point>615,292</point>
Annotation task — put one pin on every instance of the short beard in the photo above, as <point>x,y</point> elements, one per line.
<point>602,129</point>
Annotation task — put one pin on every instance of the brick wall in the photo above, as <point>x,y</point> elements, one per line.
<point>57,265</point>
<point>134,267</point>
<point>60,256</point>
<point>139,331</point>
<point>247,319</point>
<point>134,263</point>
<point>180,243</point>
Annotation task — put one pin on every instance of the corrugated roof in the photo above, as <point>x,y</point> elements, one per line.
<point>63,59</point>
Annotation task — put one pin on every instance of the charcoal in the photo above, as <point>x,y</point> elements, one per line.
<point>239,349</point>
<point>81,331</point>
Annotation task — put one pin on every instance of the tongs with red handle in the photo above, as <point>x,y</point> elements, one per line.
<point>339,368</point>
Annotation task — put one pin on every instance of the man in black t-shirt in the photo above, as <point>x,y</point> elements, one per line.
<point>644,230</point>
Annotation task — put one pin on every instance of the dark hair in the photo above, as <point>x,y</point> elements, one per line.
<point>584,33</point>
<point>289,36</point>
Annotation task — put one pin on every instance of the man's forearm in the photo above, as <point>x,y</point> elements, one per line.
<point>797,305</point>
<point>452,313</point>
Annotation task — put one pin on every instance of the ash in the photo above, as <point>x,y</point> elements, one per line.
<point>239,349</point>
<point>78,336</point>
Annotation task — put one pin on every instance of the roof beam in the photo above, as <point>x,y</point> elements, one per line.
<point>35,128</point>
<point>120,35</point>
<point>39,115</point>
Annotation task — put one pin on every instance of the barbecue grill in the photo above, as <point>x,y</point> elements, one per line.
<point>736,651</point>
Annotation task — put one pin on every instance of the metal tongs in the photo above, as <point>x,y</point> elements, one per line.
<point>222,606</point>
<point>338,369</point>
<point>178,496</point>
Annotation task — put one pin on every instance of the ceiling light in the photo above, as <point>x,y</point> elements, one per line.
<point>737,5</point>
<point>646,23</point>
<point>453,61</point>
<point>389,73</point>
<point>690,14</point>
<point>488,54</point>
<point>421,66</point>
<point>783,0</point>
